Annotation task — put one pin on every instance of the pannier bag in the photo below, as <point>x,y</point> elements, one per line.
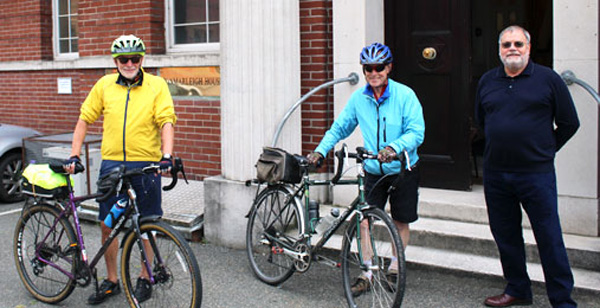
<point>277,165</point>
<point>39,180</point>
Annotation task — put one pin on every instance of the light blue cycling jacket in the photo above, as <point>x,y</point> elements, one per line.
<point>395,121</point>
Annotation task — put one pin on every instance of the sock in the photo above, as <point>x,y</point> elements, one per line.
<point>393,264</point>
<point>368,274</point>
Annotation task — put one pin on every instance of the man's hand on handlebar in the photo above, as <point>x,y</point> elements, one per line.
<point>166,164</point>
<point>386,155</point>
<point>315,159</point>
<point>73,165</point>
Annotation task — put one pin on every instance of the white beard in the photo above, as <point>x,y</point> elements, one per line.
<point>515,63</point>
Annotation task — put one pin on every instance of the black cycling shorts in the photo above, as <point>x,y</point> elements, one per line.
<point>403,200</point>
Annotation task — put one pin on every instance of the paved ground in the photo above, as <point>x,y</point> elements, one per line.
<point>229,282</point>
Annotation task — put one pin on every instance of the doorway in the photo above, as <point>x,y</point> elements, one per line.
<point>441,48</point>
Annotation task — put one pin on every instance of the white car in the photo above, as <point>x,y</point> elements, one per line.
<point>11,164</point>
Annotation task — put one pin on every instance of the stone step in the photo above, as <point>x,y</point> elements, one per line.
<point>183,208</point>
<point>469,248</point>
<point>190,226</point>
<point>586,280</point>
<point>472,238</point>
<point>478,265</point>
<point>453,205</point>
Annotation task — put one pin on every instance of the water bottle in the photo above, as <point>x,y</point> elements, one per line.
<point>313,214</point>
<point>327,221</point>
<point>116,211</point>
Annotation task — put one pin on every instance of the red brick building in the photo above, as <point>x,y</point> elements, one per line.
<point>42,41</point>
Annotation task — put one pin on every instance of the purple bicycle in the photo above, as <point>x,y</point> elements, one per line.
<point>51,258</point>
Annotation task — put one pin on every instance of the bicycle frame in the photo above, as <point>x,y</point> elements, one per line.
<point>71,209</point>
<point>354,208</point>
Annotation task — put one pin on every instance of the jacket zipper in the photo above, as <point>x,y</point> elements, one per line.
<point>384,133</point>
<point>378,128</point>
<point>125,123</point>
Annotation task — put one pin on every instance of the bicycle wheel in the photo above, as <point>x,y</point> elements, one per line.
<point>379,245</point>
<point>174,267</point>
<point>273,224</point>
<point>34,229</point>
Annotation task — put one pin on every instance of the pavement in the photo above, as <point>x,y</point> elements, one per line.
<point>228,280</point>
<point>184,209</point>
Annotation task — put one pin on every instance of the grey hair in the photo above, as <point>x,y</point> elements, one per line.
<point>514,28</point>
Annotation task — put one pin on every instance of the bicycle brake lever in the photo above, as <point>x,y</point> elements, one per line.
<point>184,177</point>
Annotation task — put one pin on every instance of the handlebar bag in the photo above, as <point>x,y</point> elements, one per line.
<point>39,180</point>
<point>277,165</point>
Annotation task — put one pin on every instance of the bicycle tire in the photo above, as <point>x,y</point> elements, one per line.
<point>271,215</point>
<point>381,292</point>
<point>44,282</point>
<point>178,281</point>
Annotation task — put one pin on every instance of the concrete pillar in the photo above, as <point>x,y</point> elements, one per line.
<point>260,81</point>
<point>576,49</point>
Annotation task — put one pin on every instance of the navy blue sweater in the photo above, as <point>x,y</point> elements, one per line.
<point>526,119</point>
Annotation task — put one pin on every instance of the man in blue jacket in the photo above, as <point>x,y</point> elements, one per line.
<point>527,114</point>
<point>391,121</point>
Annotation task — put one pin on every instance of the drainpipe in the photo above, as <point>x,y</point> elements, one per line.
<point>352,79</point>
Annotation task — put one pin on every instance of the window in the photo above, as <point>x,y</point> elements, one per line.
<point>193,25</point>
<point>65,28</point>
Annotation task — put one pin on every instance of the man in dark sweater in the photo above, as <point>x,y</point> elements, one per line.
<point>527,114</point>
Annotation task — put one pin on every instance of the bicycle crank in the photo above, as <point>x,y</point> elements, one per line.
<point>301,257</point>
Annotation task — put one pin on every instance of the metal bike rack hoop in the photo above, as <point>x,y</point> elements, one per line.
<point>570,78</point>
<point>352,79</point>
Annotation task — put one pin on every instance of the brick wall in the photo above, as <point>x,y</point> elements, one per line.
<point>316,48</point>
<point>101,21</point>
<point>29,98</point>
<point>26,32</point>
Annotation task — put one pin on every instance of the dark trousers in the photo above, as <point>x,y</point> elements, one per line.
<point>505,193</point>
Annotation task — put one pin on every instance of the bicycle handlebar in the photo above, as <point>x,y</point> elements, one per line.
<point>360,155</point>
<point>121,172</point>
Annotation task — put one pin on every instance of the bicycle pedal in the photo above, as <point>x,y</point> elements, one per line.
<point>327,261</point>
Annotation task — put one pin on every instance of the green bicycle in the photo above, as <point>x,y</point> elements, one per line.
<point>279,236</point>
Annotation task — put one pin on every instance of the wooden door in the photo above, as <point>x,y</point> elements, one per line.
<point>430,41</point>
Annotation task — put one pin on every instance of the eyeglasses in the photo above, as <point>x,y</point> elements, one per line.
<point>378,68</point>
<point>518,44</point>
<point>134,60</point>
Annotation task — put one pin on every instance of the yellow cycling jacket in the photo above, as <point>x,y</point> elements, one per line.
<point>133,116</point>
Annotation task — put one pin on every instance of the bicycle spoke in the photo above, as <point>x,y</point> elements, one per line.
<point>174,268</point>
<point>273,227</point>
<point>371,251</point>
<point>35,237</point>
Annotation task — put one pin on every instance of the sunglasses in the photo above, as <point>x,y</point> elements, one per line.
<point>378,68</point>
<point>134,60</point>
<point>518,44</point>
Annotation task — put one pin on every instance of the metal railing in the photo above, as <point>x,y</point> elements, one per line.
<point>570,78</point>
<point>352,79</point>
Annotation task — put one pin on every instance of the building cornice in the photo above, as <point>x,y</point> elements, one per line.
<point>100,62</point>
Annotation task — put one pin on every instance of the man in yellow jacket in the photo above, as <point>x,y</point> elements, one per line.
<point>137,131</point>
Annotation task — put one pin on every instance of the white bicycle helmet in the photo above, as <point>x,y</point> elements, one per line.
<point>126,45</point>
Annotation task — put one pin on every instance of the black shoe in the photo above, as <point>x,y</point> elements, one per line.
<point>360,286</point>
<point>143,290</point>
<point>107,289</point>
